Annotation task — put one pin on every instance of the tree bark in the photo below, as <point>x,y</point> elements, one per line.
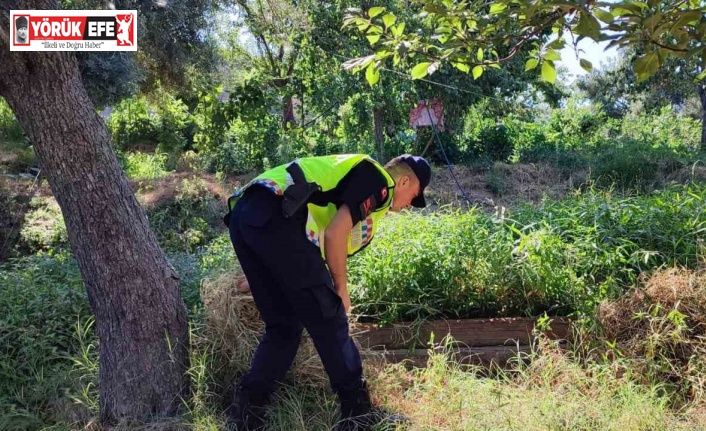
<point>379,136</point>
<point>288,118</point>
<point>133,291</point>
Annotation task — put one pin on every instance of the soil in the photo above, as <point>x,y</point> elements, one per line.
<point>502,185</point>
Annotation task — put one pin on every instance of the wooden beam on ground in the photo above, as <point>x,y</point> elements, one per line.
<point>484,356</point>
<point>470,332</point>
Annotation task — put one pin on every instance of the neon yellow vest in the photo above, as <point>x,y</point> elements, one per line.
<point>327,172</point>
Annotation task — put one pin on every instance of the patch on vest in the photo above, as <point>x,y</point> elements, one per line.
<point>368,206</point>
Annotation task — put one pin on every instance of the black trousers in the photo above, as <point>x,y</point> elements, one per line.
<point>292,289</point>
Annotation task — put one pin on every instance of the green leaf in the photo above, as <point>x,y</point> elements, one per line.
<point>604,16</point>
<point>588,26</point>
<point>420,71</point>
<point>701,76</point>
<point>687,18</point>
<point>531,64</point>
<point>651,22</point>
<point>389,19</point>
<point>463,67</point>
<point>496,8</point>
<point>477,72</point>
<point>373,38</point>
<point>397,30</point>
<point>372,74</point>
<point>552,55</point>
<point>586,65</point>
<point>646,66</point>
<point>375,11</point>
<point>548,72</point>
<point>479,56</point>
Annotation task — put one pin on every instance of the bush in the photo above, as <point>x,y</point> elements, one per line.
<point>484,137</point>
<point>134,121</point>
<point>165,125</point>
<point>144,166</point>
<point>627,169</point>
<point>246,145</point>
<point>190,220</point>
<point>11,134</point>
<point>44,227</point>
<point>666,130</point>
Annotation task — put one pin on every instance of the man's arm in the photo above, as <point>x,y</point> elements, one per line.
<point>336,249</point>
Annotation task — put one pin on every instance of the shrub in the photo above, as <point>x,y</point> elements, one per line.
<point>190,220</point>
<point>44,227</point>
<point>134,121</point>
<point>11,134</point>
<point>144,166</point>
<point>627,169</point>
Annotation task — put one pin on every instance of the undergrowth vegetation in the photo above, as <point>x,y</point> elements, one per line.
<point>558,257</point>
<point>621,254</point>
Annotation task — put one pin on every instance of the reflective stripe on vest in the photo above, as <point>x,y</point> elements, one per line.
<point>327,172</point>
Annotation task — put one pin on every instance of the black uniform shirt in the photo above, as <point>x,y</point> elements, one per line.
<point>363,189</point>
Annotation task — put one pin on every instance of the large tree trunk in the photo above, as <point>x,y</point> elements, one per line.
<point>702,96</point>
<point>288,118</point>
<point>379,136</point>
<point>133,291</point>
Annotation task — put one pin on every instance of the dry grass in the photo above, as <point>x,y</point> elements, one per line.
<point>232,326</point>
<point>659,331</point>
<point>520,183</point>
<point>160,191</point>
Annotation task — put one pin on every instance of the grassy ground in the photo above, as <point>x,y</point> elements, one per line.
<point>553,393</point>
<point>645,381</point>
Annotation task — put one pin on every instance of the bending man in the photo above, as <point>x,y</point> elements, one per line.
<point>293,228</point>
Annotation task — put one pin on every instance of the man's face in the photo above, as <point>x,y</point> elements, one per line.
<point>406,189</point>
<point>22,33</point>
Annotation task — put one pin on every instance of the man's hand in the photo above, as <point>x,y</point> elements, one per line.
<point>243,286</point>
<point>345,298</point>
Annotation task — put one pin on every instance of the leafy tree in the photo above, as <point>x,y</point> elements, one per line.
<point>276,29</point>
<point>176,50</point>
<point>469,34</point>
<point>618,89</point>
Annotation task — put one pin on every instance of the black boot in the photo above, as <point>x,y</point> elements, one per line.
<point>359,414</point>
<point>246,412</point>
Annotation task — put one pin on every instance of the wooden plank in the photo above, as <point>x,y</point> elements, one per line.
<point>471,332</point>
<point>483,356</point>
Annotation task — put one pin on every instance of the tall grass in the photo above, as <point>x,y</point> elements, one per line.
<point>560,257</point>
<point>41,299</point>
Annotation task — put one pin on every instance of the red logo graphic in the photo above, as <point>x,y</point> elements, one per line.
<point>73,30</point>
<point>383,193</point>
<point>125,30</point>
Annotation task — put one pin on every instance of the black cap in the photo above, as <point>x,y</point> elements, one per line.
<point>21,22</point>
<point>422,170</point>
